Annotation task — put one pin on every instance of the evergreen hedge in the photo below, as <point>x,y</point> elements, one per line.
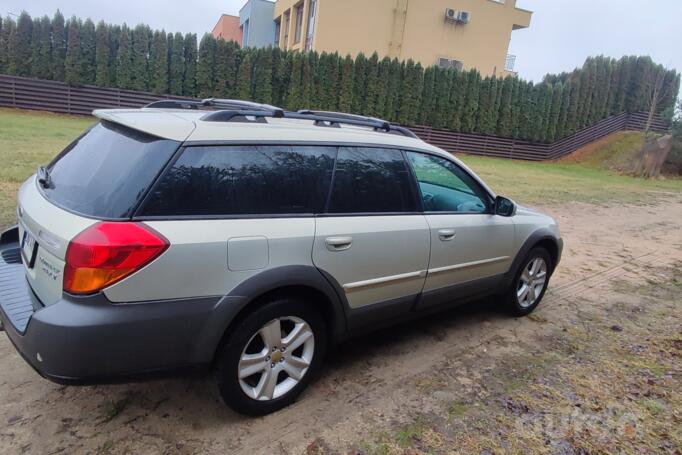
<point>80,52</point>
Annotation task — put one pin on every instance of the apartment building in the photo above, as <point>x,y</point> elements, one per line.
<point>451,33</point>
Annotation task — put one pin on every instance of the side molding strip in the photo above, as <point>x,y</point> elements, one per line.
<point>383,280</point>
<point>466,265</point>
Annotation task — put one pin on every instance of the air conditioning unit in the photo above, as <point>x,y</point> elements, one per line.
<point>463,17</point>
<point>450,14</point>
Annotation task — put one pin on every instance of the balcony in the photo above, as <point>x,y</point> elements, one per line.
<point>509,63</point>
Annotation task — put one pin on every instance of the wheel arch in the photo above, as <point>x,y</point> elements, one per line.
<point>304,282</point>
<point>540,238</point>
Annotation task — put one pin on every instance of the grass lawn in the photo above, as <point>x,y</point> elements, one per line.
<point>29,139</point>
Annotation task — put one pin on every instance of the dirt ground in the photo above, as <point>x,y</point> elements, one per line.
<point>471,380</point>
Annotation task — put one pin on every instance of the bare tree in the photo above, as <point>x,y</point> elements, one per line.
<point>657,91</point>
<point>654,150</point>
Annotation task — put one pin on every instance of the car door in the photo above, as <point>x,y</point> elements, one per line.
<point>373,241</point>
<point>470,246</point>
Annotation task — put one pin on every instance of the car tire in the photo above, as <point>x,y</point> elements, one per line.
<point>530,283</point>
<point>282,343</point>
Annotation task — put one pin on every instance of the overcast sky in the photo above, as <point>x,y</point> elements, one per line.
<point>561,35</point>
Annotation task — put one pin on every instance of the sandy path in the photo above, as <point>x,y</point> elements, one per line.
<point>369,383</point>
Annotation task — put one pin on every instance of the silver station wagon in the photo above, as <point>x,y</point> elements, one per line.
<point>246,240</point>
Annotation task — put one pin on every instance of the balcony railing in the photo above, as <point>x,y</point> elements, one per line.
<point>510,62</point>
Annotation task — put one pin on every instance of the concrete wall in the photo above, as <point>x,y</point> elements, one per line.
<point>414,29</point>
<point>256,20</point>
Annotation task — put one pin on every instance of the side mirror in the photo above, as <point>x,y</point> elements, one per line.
<point>504,206</point>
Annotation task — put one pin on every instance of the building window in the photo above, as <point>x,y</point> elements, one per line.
<point>278,30</point>
<point>299,23</point>
<point>312,10</point>
<point>287,27</point>
<point>449,63</point>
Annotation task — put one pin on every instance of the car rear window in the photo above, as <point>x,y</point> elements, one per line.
<point>244,180</point>
<point>107,171</point>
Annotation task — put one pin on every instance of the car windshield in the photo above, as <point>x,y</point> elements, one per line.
<point>105,172</point>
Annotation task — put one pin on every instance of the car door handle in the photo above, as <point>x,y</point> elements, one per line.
<point>446,234</point>
<point>338,243</point>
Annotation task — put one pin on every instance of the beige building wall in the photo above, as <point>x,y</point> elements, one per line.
<point>406,29</point>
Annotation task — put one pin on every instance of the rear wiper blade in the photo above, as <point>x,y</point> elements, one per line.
<point>44,177</point>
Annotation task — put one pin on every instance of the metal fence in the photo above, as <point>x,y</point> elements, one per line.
<point>54,96</point>
<point>478,144</point>
<point>27,93</point>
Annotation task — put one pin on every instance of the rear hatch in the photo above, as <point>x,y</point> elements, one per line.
<point>103,175</point>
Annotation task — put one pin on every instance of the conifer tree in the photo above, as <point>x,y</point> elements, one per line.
<point>245,77</point>
<point>140,57</point>
<point>346,85</point>
<point>88,39</point>
<point>543,109</point>
<point>282,76</point>
<point>41,55</point>
<point>124,59</point>
<point>263,76</point>
<point>102,58</point>
<point>562,124</point>
<point>383,76</point>
<point>372,90</point>
<point>10,31</point>
<point>206,67</point>
<point>23,44</point>
<point>158,63</point>
<point>58,46</point>
<point>443,85</point>
<point>226,67</point>
<point>457,99</point>
<point>189,81</point>
<point>72,62</point>
<point>410,93</point>
<point>392,90</point>
<point>505,123</point>
<point>3,46</point>
<point>470,108</point>
<point>611,107</point>
<point>554,112</point>
<point>359,84</point>
<point>572,124</point>
<point>518,92</point>
<point>427,107</point>
<point>176,72</point>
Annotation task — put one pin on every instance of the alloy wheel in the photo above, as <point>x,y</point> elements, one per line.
<point>276,358</point>
<point>532,282</point>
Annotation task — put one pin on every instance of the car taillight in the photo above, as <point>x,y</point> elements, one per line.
<point>108,252</point>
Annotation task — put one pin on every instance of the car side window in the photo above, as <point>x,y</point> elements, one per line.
<point>371,180</point>
<point>445,187</point>
<point>244,180</point>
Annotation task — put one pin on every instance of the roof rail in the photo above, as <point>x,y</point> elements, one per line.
<point>215,103</point>
<point>226,110</point>
<point>386,125</point>
<point>319,120</point>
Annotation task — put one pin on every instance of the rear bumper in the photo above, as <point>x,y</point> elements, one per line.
<point>90,340</point>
